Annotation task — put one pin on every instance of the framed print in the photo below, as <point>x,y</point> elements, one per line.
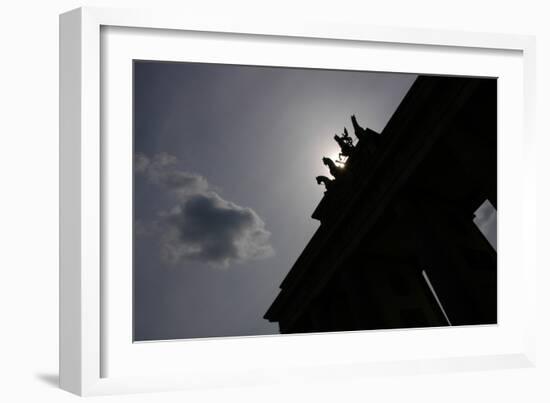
<point>238,197</point>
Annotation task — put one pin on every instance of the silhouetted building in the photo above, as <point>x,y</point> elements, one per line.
<point>397,246</point>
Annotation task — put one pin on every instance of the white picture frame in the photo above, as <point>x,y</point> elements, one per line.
<point>97,357</point>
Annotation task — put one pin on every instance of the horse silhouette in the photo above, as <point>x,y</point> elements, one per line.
<point>334,169</point>
<point>345,143</point>
<point>324,180</point>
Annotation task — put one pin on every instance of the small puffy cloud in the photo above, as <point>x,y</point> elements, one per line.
<point>202,226</point>
<point>162,170</point>
<point>486,221</point>
<point>141,162</point>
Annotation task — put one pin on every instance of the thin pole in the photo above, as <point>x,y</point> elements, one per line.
<point>425,275</point>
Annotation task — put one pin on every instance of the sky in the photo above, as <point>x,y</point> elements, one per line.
<point>224,187</point>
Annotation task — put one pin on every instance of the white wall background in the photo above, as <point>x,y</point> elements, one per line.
<point>29,201</point>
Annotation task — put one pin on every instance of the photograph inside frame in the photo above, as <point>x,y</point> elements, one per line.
<point>278,200</point>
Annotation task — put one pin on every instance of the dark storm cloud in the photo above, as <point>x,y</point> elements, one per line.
<point>202,226</point>
<point>210,229</point>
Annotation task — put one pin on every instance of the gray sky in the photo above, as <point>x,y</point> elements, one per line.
<point>226,159</point>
